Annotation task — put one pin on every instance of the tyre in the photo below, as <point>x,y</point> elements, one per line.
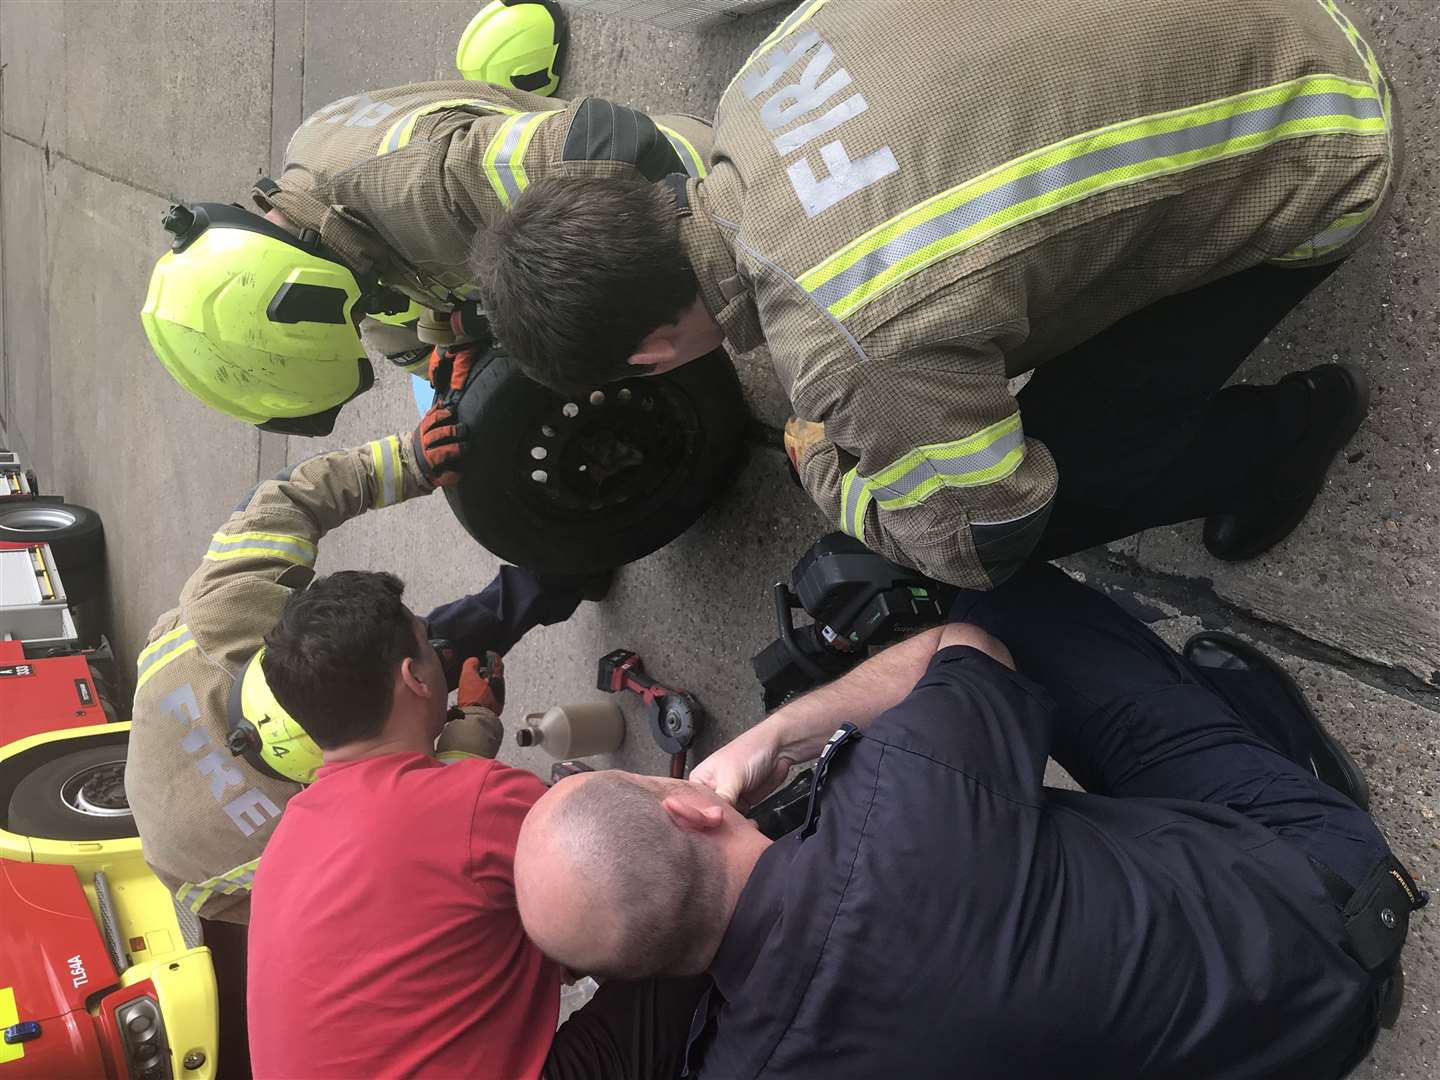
<point>74,533</point>
<point>79,795</point>
<point>577,485</point>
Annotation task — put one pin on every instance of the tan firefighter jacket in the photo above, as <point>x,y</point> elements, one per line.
<point>204,815</point>
<point>911,201</point>
<point>400,180</point>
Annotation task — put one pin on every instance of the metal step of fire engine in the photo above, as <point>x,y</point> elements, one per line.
<point>33,607</point>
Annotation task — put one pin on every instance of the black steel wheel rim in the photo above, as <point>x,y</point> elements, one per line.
<point>620,446</point>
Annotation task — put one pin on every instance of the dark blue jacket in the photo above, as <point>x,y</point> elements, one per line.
<point>950,916</point>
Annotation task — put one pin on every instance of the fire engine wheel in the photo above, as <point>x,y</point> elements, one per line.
<point>581,484</point>
<point>74,533</point>
<point>77,796</point>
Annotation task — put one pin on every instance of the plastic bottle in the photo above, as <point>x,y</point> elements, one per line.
<point>571,731</point>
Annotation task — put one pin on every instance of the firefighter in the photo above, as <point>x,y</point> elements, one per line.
<point>375,214</point>
<point>1123,195</point>
<point>205,803</point>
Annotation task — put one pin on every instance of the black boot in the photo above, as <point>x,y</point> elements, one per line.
<point>1338,398</point>
<point>1297,732</point>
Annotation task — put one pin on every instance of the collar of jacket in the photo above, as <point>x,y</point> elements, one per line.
<point>710,251</point>
<point>758,910</point>
<point>338,229</point>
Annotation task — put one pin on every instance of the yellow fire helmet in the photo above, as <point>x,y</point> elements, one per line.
<point>257,323</point>
<point>514,43</point>
<point>263,733</point>
<point>406,316</point>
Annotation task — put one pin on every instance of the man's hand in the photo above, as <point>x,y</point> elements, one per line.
<point>483,684</point>
<point>746,769</point>
<point>800,435</point>
<point>440,445</point>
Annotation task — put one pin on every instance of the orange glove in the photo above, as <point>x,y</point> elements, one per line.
<point>483,685</point>
<point>800,435</point>
<point>450,365</point>
<point>440,445</point>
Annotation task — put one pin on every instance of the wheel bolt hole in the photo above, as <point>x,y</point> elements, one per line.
<point>540,476</point>
<point>597,397</point>
<point>538,453</point>
<point>625,395</point>
<point>547,431</point>
<point>571,410</point>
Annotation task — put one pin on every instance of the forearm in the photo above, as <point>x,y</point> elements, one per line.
<point>280,522</point>
<point>858,697</point>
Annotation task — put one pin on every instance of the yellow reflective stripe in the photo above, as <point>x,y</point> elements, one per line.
<point>160,642</point>
<point>1071,170</point>
<point>9,1014</point>
<point>802,13</point>
<point>855,499</point>
<point>400,132</point>
<point>261,545</point>
<point>989,455</point>
<point>1360,45</point>
<point>986,457</point>
<point>228,882</point>
<point>385,460</point>
<point>1335,236</point>
<point>176,643</point>
<point>689,156</point>
<point>505,154</point>
<point>1344,228</point>
<point>193,896</point>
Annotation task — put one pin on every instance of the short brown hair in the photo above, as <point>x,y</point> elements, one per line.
<point>578,273</point>
<point>664,885</point>
<point>331,659</point>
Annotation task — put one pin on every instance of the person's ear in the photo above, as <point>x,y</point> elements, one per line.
<point>692,816</point>
<point>411,680</point>
<point>657,349</point>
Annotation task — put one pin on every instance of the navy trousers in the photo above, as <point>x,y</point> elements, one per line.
<point>1136,719</point>
<point>503,612</point>
<point>1141,430</point>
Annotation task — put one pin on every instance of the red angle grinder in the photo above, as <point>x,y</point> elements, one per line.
<point>674,715</point>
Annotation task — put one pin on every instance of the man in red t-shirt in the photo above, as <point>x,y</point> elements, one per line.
<point>384,938</point>
<point>384,935</point>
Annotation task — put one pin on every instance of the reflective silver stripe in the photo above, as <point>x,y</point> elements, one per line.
<point>855,500</point>
<point>248,543</point>
<point>681,151</point>
<point>502,161</point>
<point>172,646</point>
<point>986,457</point>
<point>240,883</point>
<point>193,896</point>
<point>237,879</point>
<point>1332,238</point>
<point>1105,159</point>
<point>505,167</point>
<point>383,460</point>
<point>1336,235</point>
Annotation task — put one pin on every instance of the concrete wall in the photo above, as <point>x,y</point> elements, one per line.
<point>109,110</point>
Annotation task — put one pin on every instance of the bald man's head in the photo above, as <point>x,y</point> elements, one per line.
<point>627,876</point>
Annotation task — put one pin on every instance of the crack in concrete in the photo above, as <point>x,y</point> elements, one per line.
<point>50,152</point>
<point>1196,596</point>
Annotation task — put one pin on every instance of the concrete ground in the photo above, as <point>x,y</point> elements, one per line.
<point>110,110</point>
